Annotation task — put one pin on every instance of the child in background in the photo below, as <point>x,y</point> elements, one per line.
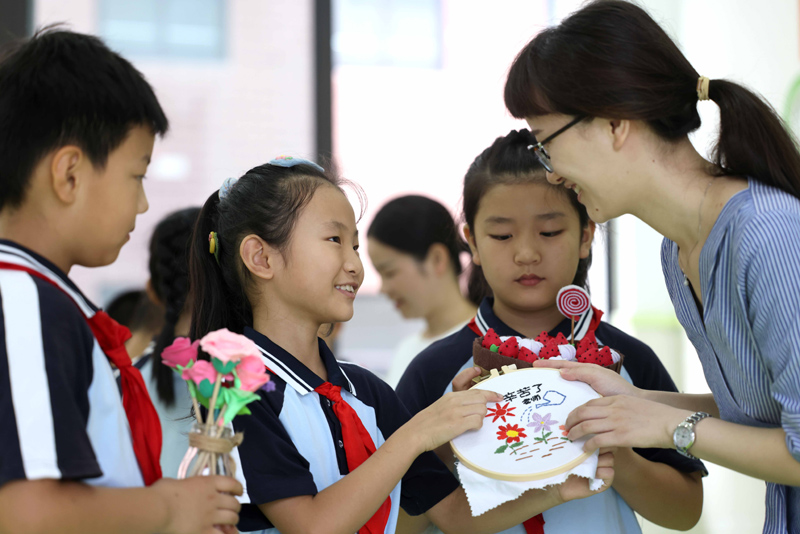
<point>79,123</point>
<point>169,287</point>
<point>142,316</point>
<point>328,445</point>
<point>529,239</point>
<point>414,245</point>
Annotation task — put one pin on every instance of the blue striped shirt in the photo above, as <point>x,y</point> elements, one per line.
<point>748,338</point>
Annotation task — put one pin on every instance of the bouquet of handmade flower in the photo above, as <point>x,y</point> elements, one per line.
<point>224,384</point>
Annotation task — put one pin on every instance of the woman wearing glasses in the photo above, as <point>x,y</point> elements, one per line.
<point>613,100</point>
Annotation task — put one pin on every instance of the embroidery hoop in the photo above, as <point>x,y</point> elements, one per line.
<point>508,381</point>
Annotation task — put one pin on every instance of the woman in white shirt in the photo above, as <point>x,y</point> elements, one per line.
<point>414,245</point>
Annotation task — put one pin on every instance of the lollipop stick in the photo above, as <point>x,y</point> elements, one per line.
<point>572,335</point>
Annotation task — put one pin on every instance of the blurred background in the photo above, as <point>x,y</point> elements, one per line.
<point>403,94</point>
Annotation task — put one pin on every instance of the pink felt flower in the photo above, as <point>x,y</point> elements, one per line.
<point>226,346</point>
<point>181,352</point>
<point>252,373</point>
<point>201,370</point>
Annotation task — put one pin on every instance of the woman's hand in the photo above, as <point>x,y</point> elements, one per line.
<point>623,421</point>
<point>604,381</point>
<point>450,416</point>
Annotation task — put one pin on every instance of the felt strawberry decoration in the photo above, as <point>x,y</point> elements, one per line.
<point>604,357</point>
<point>589,356</point>
<point>509,347</point>
<point>561,339</point>
<point>491,338</point>
<point>589,341</point>
<point>543,338</point>
<point>527,355</point>
<point>549,350</point>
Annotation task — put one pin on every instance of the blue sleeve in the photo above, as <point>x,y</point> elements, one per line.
<point>272,466</point>
<point>427,481</point>
<point>45,374</point>
<point>770,254</point>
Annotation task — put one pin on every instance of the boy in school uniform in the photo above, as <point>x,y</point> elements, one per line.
<point>77,127</point>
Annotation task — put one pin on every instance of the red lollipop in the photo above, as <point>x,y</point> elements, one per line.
<point>573,301</point>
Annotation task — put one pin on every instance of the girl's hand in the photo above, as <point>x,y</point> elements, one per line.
<point>450,416</point>
<point>623,421</point>
<point>604,381</point>
<point>463,380</point>
<point>576,487</point>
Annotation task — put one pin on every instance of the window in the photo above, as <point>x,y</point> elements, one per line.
<point>182,29</point>
<point>387,33</point>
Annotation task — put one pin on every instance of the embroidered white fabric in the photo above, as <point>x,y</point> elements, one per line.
<point>484,493</point>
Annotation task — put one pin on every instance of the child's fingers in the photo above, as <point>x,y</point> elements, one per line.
<point>463,380</point>
<point>554,364</point>
<point>229,485</point>
<point>225,517</point>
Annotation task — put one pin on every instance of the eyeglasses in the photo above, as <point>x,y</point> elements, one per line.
<point>541,151</point>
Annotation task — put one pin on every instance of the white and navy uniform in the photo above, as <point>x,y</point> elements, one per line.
<point>293,441</point>
<point>430,374</point>
<point>60,409</point>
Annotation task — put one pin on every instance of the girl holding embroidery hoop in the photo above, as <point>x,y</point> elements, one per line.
<point>612,100</point>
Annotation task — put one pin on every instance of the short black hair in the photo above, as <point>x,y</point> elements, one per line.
<point>60,87</point>
<point>414,223</point>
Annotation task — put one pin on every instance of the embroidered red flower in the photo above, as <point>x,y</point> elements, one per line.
<point>511,433</point>
<point>501,412</point>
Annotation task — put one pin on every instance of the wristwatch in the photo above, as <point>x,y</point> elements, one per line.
<point>684,436</point>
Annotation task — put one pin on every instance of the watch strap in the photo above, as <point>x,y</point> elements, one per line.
<point>689,423</point>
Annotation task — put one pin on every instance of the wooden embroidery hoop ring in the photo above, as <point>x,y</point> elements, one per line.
<point>494,373</point>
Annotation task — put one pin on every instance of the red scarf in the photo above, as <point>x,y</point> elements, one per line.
<point>535,525</point>
<point>358,446</point>
<point>142,416</point>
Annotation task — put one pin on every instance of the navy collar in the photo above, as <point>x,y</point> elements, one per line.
<point>292,371</point>
<point>11,252</point>
<point>486,319</point>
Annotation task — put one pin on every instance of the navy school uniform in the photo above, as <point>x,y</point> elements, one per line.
<point>293,441</point>
<point>60,409</point>
<point>430,374</point>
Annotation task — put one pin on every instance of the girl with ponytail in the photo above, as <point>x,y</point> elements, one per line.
<point>329,447</point>
<point>528,239</point>
<point>612,99</point>
<point>169,287</point>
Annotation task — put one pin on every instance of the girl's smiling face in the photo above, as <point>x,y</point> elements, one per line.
<point>528,240</point>
<point>321,272</point>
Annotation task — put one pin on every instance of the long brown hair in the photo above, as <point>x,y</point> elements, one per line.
<point>611,59</point>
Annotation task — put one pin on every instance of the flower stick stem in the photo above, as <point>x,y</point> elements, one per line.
<point>213,403</point>
<point>196,408</point>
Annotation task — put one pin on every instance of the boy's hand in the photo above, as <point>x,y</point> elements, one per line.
<point>450,416</point>
<point>197,504</point>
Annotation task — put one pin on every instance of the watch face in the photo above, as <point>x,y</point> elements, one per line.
<point>683,437</point>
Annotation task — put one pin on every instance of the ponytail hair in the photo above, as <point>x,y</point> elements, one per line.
<point>266,201</point>
<point>753,139</point>
<point>509,162</point>
<point>169,278</point>
<point>611,59</point>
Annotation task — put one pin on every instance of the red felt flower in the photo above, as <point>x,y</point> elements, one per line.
<point>501,412</point>
<point>510,433</point>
